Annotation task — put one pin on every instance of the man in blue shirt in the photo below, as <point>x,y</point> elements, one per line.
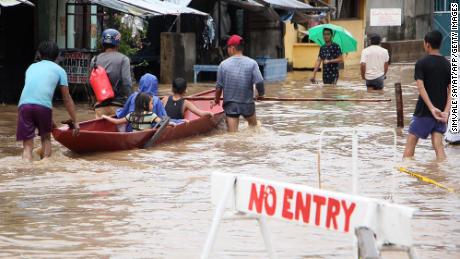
<point>35,105</point>
<point>236,77</point>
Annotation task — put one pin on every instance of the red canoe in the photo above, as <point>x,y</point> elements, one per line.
<point>100,135</point>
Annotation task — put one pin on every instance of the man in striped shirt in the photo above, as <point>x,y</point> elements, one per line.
<point>236,77</point>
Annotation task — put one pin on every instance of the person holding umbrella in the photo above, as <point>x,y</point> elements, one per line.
<point>334,40</point>
<point>330,55</point>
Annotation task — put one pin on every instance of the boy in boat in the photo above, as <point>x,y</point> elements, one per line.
<point>147,84</point>
<point>432,73</point>
<point>142,118</point>
<point>35,105</point>
<point>176,104</point>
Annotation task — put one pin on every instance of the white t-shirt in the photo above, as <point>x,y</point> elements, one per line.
<point>374,57</point>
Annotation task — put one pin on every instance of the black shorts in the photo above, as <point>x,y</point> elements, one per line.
<point>235,110</point>
<point>330,78</point>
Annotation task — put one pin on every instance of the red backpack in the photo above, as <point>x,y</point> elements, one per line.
<point>100,83</point>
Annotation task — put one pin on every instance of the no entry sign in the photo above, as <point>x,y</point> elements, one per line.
<point>315,207</point>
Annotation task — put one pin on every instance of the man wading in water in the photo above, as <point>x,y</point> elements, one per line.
<point>330,55</point>
<point>236,77</point>
<point>35,105</point>
<point>432,74</point>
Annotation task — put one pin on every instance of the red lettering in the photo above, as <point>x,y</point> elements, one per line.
<point>348,211</point>
<point>303,208</point>
<point>320,201</point>
<point>270,209</point>
<point>256,199</point>
<point>333,209</point>
<point>288,193</point>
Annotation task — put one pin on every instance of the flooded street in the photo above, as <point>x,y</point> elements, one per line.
<point>157,203</point>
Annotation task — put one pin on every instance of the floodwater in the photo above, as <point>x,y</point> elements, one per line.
<point>156,203</point>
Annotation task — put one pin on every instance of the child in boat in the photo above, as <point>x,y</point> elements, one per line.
<point>176,105</point>
<point>142,118</point>
<point>147,84</point>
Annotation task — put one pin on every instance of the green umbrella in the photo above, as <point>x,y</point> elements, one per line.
<point>341,36</point>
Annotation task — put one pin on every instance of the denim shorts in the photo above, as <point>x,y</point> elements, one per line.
<point>422,127</point>
<point>235,110</point>
<point>376,83</point>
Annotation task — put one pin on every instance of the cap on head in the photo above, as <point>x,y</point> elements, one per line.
<point>111,37</point>
<point>234,40</point>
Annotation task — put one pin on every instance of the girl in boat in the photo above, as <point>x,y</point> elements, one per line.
<point>147,84</point>
<point>176,104</point>
<point>142,118</point>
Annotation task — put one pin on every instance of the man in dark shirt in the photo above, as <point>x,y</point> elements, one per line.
<point>330,55</point>
<point>118,69</point>
<point>432,73</point>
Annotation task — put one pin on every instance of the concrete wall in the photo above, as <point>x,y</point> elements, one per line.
<point>404,51</point>
<point>290,38</point>
<point>356,28</point>
<point>416,19</point>
<point>178,55</point>
<point>263,35</point>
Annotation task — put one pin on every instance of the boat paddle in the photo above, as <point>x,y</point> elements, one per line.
<point>160,126</point>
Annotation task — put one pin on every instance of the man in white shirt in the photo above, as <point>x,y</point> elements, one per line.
<point>374,64</point>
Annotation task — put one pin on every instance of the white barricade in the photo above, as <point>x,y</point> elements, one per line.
<point>306,206</point>
<point>354,132</point>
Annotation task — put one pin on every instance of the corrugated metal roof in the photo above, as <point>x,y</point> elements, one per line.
<point>147,8</point>
<point>293,5</point>
<point>6,3</point>
<point>246,4</point>
<point>179,2</point>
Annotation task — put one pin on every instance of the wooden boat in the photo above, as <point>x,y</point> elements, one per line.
<point>99,135</point>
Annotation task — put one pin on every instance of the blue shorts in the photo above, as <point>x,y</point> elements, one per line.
<point>235,110</point>
<point>377,83</point>
<point>422,127</point>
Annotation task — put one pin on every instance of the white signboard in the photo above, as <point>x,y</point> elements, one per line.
<point>385,17</point>
<point>315,207</point>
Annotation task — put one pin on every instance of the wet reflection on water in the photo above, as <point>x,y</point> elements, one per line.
<point>156,203</point>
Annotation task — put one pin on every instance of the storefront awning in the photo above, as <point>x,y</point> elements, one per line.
<point>251,5</point>
<point>294,5</point>
<point>6,3</point>
<point>147,8</point>
<point>179,2</point>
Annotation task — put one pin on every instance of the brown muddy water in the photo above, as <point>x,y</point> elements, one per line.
<point>156,203</point>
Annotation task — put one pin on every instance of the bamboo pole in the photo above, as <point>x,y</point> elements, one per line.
<point>399,106</point>
<point>295,99</point>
